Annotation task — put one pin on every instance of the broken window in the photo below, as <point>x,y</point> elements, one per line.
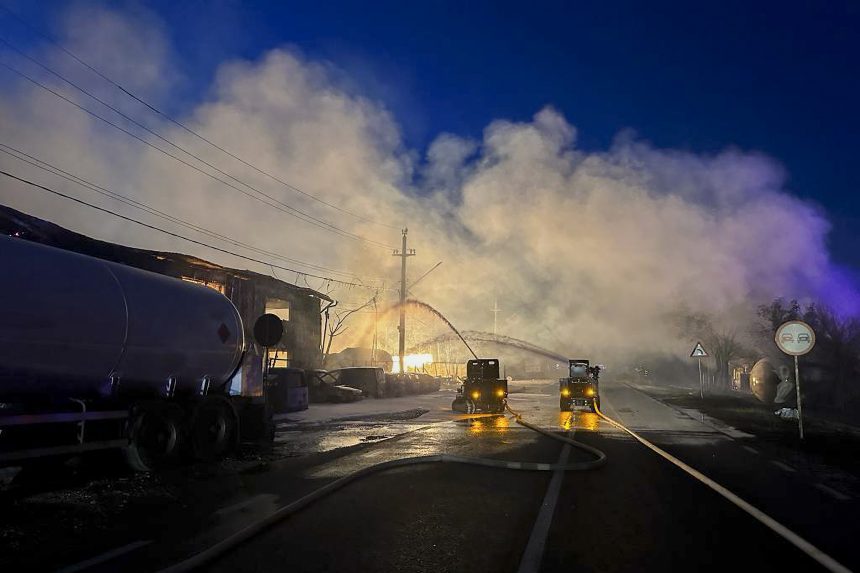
<point>279,307</point>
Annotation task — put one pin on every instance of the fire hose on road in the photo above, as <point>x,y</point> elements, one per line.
<point>254,529</point>
<point>231,542</point>
<point>800,543</point>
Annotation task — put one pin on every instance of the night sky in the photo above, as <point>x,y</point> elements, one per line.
<point>776,77</point>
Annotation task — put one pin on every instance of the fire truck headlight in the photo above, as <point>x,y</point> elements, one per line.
<point>500,393</point>
<point>565,392</point>
<point>476,395</point>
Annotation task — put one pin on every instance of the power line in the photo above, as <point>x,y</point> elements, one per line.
<point>59,172</point>
<point>178,236</point>
<point>292,210</point>
<point>281,206</point>
<point>188,129</point>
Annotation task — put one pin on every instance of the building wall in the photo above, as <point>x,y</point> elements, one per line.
<point>302,332</point>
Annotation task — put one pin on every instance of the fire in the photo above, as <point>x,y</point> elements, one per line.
<point>413,362</point>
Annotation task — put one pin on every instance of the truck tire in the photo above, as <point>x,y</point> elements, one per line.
<point>459,404</point>
<point>213,429</point>
<point>155,436</point>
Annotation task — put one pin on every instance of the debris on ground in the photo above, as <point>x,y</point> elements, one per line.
<point>787,413</point>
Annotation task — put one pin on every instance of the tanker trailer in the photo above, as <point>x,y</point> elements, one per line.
<point>95,355</point>
<point>764,380</point>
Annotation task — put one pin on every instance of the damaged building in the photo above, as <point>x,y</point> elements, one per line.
<point>252,293</point>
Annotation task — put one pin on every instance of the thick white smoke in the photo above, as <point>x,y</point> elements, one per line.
<point>587,252</point>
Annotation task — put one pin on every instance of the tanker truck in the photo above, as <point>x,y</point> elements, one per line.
<point>97,355</point>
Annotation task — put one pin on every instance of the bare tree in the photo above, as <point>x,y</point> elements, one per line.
<point>723,344</point>
<point>834,363</point>
<point>724,347</point>
<point>335,326</point>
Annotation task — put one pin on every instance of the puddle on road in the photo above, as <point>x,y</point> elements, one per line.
<point>484,423</point>
<point>326,438</point>
<point>578,421</point>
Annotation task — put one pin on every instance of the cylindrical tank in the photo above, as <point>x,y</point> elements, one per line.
<point>77,326</point>
<point>764,380</point>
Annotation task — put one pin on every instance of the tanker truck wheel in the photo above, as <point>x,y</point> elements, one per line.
<point>214,428</point>
<point>155,436</point>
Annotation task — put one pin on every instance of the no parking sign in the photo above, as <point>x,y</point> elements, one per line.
<point>795,338</point>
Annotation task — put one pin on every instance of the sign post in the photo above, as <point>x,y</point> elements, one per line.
<point>699,353</point>
<point>268,332</point>
<point>796,338</point>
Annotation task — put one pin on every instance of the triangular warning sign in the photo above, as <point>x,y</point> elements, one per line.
<point>698,351</point>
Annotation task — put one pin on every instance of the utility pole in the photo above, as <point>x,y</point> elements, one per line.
<point>403,254</point>
<point>496,311</point>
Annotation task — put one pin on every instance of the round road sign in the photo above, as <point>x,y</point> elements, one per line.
<point>268,330</point>
<point>795,337</point>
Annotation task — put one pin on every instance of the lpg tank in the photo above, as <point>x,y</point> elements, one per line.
<point>77,326</point>
<point>764,380</point>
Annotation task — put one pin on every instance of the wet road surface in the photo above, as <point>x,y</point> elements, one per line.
<point>638,513</point>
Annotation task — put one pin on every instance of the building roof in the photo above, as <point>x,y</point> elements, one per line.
<point>13,222</point>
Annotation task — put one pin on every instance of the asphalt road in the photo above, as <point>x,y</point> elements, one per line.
<point>637,513</point>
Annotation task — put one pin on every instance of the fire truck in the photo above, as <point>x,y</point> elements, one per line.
<point>580,387</point>
<point>482,389</point>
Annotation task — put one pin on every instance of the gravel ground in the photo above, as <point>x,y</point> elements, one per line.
<point>65,505</point>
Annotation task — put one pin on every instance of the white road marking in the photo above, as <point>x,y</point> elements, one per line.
<point>532,556</point>
<point>805,546</point>
<point>718,425</point>
<point>750,449</point>
<point>837,494</point>
<point>106,556</point>
<point>783,466</point>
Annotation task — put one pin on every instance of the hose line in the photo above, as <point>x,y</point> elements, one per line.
<point>254,529</point>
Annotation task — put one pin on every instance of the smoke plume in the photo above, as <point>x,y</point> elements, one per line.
<point>587,253</point>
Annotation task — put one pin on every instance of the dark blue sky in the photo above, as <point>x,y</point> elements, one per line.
<point>782,77</point>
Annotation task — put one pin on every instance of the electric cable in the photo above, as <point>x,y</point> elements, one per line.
<point>59,172</point>
<point>276,203</point>
<point>178,236</point>
<point>186,128</point>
